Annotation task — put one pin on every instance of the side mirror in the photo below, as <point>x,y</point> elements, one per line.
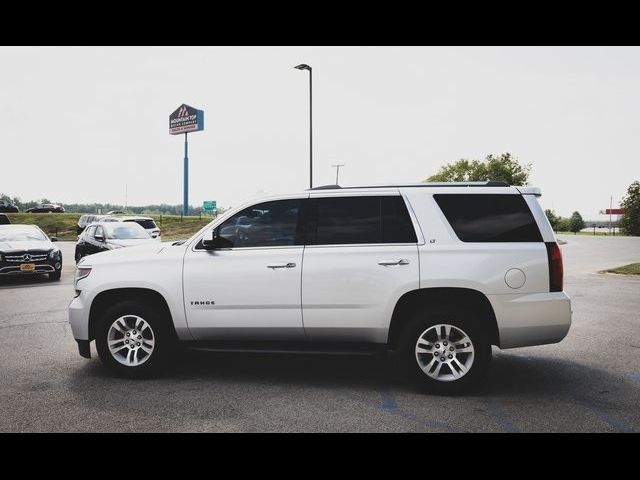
<point>210,240</point>
<point>99,238</point>
<point>54,239</point>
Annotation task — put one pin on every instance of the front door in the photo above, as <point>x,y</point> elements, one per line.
<point>250,287</point>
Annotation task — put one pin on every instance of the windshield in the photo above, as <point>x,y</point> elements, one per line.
<point>28,234</point>
<point>126,231</point>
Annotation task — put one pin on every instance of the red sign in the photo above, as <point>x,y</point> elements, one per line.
<point>613,211</point>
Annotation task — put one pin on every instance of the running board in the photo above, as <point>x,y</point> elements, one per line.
<point>298,348</point>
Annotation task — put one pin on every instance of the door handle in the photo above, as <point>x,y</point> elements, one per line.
<point>281,265</point>
<point>388,263</point>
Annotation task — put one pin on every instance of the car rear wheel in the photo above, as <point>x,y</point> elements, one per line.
<point>445,351</point>
<point>135,340</point>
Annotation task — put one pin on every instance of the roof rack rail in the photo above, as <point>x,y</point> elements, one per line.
<point>489,183</point>
<point>326,187</point>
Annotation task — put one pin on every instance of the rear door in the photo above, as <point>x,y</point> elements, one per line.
<point>360,257</point>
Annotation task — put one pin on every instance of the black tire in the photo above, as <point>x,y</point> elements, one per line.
<point>163,333</point>
<point>55,276</point>
<point>465,320</point>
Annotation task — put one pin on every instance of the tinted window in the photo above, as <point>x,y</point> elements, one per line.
<point>358,220</point>
<point>489,218</point>
<point>396,223</point>
<point>270,224</point>
<point>146,224</point>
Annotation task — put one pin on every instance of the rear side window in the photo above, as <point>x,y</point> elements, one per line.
<point>359,220</point>
<point>489,217</point>
<point>146,224</point>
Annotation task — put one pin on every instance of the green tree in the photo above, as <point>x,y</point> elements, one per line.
<point>563,224</point>
<point>576,223</point>
<point>504,168</point>
<point>553,219</point>
<point>630,221</point>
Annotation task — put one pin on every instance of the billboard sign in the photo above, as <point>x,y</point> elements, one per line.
<point>209,205</point>
<point>612,211</point>
<point>186,119</point>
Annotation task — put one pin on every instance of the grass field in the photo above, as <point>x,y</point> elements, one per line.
<point>631,269</point>
<point>63,225</point>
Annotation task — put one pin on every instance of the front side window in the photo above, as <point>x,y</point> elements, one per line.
<point>90,231</point>
<point>269,224</point>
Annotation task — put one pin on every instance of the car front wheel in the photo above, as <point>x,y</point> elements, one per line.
<point>135,340</point>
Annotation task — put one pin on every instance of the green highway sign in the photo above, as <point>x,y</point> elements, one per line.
<point>209,205</point>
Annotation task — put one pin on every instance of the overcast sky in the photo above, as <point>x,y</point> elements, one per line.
<point>77,124</point>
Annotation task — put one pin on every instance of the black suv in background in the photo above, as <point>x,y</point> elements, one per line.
<point>6,207</point>
<point>4,220</point>
<point>46,208</point>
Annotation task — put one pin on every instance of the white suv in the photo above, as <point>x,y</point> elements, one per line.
<point>436,273</point>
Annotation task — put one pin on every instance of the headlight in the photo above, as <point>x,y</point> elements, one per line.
<point>81,272</point>
<point>54,253</point>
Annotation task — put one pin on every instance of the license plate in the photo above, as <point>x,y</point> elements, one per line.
<point>28,267</point>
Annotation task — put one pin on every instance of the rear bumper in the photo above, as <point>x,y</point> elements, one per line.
<point>531,319</point>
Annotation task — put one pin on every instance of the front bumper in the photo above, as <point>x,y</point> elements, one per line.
<point>42,267</point>
<point>79,319</point>
<point>531,319</point>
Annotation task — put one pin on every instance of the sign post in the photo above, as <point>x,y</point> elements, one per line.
<point>209,206</point>
<point>186,119</point>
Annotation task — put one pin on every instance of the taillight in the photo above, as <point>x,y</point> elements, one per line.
<point>556,272</point>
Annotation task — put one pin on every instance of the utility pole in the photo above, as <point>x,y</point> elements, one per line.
<point>304,66</point>
<point>611,215</point>
<point>337,167</point>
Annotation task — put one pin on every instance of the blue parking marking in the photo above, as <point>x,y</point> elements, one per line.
<point>501,418</point>
<point>635,376</point>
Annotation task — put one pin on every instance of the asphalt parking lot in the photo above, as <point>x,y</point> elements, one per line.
<point>588,383</point>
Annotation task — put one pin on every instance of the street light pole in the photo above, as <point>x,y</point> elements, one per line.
<point>337,167</point>
<point>304,66</point>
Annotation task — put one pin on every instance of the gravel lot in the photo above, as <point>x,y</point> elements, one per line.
<point>589,382</point>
